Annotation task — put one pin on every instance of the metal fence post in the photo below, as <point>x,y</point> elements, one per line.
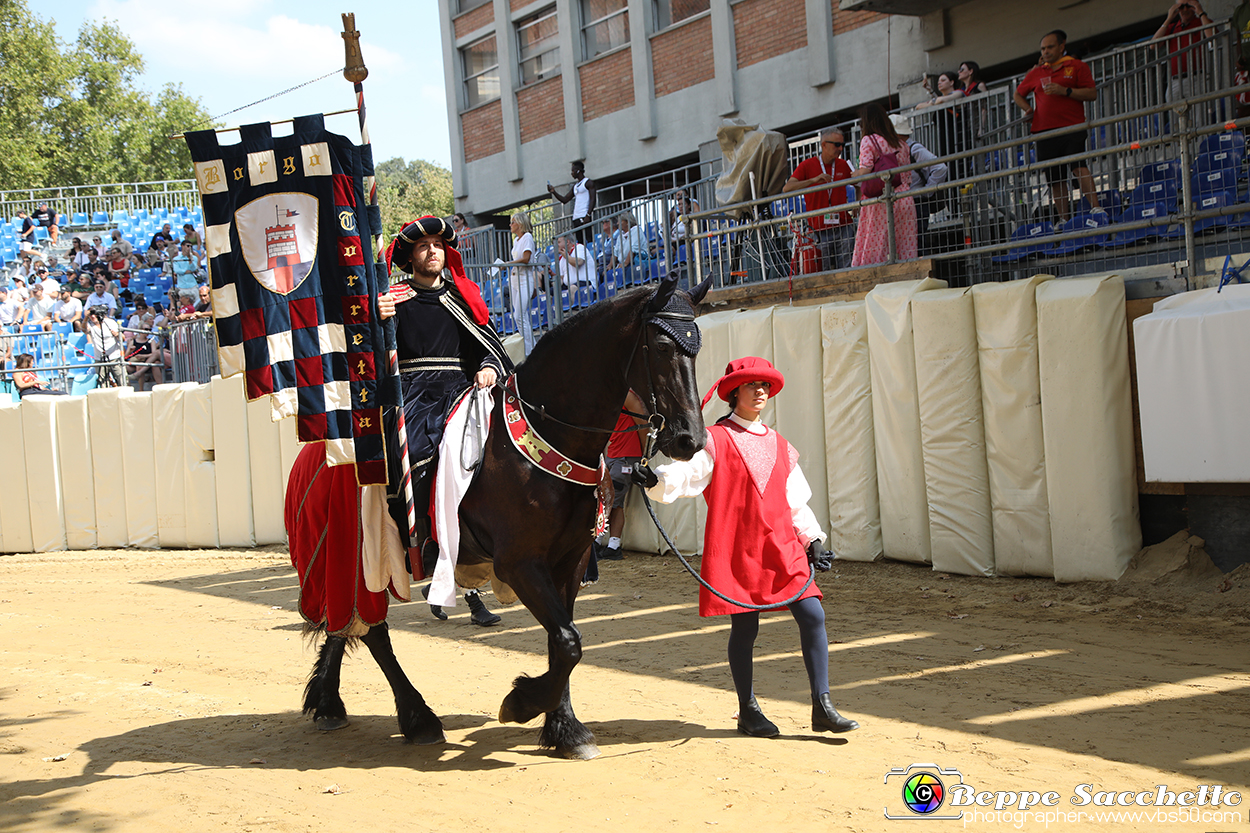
<point>1187,195</point>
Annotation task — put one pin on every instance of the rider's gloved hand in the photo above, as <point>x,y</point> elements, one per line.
<point>643,476</point>
<point>820,558</point>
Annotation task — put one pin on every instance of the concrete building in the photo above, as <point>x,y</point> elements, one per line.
<point>636,86</point>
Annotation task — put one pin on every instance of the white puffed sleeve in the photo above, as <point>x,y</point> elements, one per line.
<point>798,493</point>
<point>685,478</point>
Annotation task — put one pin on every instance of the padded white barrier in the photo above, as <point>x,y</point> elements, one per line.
<point>952,432</point>
<point>139,467</point>
<point>288,447</point>
<point>170,457</point>
<point>268,485</point>
<point>850,450</point>
<point>108,447</point>
<point>1188,350</point>
<point>799,411</point>
<point>73,437</point>
<point>232,463</point>
<point>1011,402</point>
<point>200,468</point>
<point>1087,418</point>
<point>15,533</point>
<point>43,473</point>
<point>896,420</point>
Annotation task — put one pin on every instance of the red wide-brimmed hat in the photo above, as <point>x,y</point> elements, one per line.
<point>747,369</point>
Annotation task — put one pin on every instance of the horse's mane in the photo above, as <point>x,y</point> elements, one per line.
<point>594,315</point>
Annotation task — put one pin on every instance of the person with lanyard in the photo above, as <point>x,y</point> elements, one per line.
<point>445,344</point>
<point>761,542</point>
<point>583,195</point>
<point>835,236</point>
<point>1060,86</point>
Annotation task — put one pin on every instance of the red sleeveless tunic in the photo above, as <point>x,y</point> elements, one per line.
<point>750,549</point>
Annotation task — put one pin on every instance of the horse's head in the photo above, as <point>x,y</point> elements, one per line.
<point>665,377</point>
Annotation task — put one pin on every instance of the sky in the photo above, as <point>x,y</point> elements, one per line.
<point>228,53</point>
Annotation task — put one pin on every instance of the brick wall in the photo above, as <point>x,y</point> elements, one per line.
<point>483,131</point>
<point>476,19</point>
<point>682,57</point>
<point>541,109</point>
<point>607,85</point>
<point>848,21</point>
<point>764,29</point>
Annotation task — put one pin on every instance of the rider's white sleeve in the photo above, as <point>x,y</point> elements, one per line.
<point>682,479</point>
<point>798,493</point>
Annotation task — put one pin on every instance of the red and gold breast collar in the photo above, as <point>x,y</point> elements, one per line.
<point>537,450</point>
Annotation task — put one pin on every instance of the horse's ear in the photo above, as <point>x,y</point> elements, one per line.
<point>662,295</point>
<point>696,294</point>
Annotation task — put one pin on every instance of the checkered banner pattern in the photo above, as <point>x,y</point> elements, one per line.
<point>294,287</point>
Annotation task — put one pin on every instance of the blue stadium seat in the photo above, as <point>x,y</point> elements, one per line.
<point>120,217</point>
<point>1219,199</point>
<point>1233,140</point>
<point>1210,182</point>
<point>1135,212</point>
<point>99,218</point>
<point>1162,171</point>
<point>1218,160</point>
<point>41,233</point>
<point>1030,231</point>
<point>1152,192</point>
<point>585,296</point>
<point>79,219</point>
<point>1109,201</point>
<point>1079,221</point>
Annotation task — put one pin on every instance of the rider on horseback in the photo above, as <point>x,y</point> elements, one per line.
<point>445,343</point>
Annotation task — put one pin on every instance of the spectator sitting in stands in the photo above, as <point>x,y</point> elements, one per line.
<point>95,268</point>
<point>38,308</point>
<point>27,269</point>
<point>157,254</point>
<point>51,286</point>
<point>160,343</point>
<point>609,234</point>
<point>79,284</point>
<point>26,236</point>
<point>49,219</point>
<point>55,269</point>
<point>77,253</point>
<point>10,309</point>
<point>25,380</point>
<point>166,234</point>
<point>184,303</point>
<point>101,298</point>
<point>119,243</point>
<point>190,235</point>
<point>20,292</point>
<point>98,246</point>
<point>184,267</point>
<point>141,346</point>
<point>119,267</point>
<point>577,267</point>
<point>628,253</point>
<point>204,309</point>
<point>67,309</point>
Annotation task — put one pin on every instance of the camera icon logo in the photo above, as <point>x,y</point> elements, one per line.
<point>923,790</point>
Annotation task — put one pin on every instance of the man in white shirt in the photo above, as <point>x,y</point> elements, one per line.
<point>577,267</point>
<point>68,310</point>
<point>100,298</point>
<point>10,307</point>
<point>39,307</point>
<point>106,341</point>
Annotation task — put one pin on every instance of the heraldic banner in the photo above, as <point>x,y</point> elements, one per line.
<point>289,238</point>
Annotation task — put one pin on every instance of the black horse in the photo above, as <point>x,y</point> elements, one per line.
<point>535,527</point>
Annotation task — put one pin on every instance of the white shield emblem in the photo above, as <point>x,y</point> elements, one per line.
<point>278,233</point>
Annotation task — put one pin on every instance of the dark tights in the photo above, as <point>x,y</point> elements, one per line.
<point>744,627</point>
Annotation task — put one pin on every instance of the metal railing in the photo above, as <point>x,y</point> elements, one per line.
<point>130,197</point>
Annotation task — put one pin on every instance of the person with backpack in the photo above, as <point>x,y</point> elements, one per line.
<point>880,149</point>
<point>936,174</point>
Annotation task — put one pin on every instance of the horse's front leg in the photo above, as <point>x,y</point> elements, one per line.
<point>321,695</point>
<point>417,721</point>
<point>549,692</point>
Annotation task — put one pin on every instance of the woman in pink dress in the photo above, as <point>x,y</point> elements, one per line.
<point>872,244</point>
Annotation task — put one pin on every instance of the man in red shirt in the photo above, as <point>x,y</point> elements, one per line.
<point>1060,86</point>
<point>834,233</point>
<point>623,453</point>
<point>1186,63</point>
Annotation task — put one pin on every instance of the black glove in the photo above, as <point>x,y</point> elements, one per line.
<point>820,558</point>
<point>643,476</point>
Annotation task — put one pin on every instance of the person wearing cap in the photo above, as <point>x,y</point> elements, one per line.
<point>835,236</point>
<point>761,541</point>
<point>67,309</point>
<point>38,307</point>
<point>935,174</point>
<point>101,298</point>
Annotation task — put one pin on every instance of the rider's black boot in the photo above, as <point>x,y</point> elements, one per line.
<point>751,721</point>
<point>436,610</point>
<point>825,717</point>
<point>481,616</point>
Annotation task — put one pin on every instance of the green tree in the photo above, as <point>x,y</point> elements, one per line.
<point>73,115</point>
<point>408,190</point>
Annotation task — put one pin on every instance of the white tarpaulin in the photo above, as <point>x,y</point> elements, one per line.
<point>14,495</point>
<point>268,484</point>
<point>43,473</point>
<point>139,466</point>
<point>108,447</point>
<point>896,420</point>
<point>1011,402</point>
<point>1191,386</point>
<point>232,463</point>
<point>850,451</point>
<point>1087,418</point>
<point>952,433</point>
<point>201,470</point>
<point>73,439</point>
<point>170,460</point>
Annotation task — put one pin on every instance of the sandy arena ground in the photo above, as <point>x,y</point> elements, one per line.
<point>159,691</point>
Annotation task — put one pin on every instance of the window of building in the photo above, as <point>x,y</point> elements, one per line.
<point>467,5</point>
<point>668,12</point>
<point>605,25</point>
<point>537,46</point>
<point>481,72</point>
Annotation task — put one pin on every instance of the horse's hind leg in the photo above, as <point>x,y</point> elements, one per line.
<point>321,695</point>
<point>563,732</point>
<point>417,721</point>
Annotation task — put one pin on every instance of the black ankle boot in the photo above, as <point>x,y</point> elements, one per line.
<point>481,616</point>
<point>825,717</point>
<point>435,610</point>
<point>751,721</point>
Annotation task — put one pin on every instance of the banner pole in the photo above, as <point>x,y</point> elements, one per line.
<point>355,71</point>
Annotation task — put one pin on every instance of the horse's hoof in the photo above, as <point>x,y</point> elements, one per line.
<point>431,738</point>
<point>509,712</point>
<point>329,724</point>
<point>581,752</point>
